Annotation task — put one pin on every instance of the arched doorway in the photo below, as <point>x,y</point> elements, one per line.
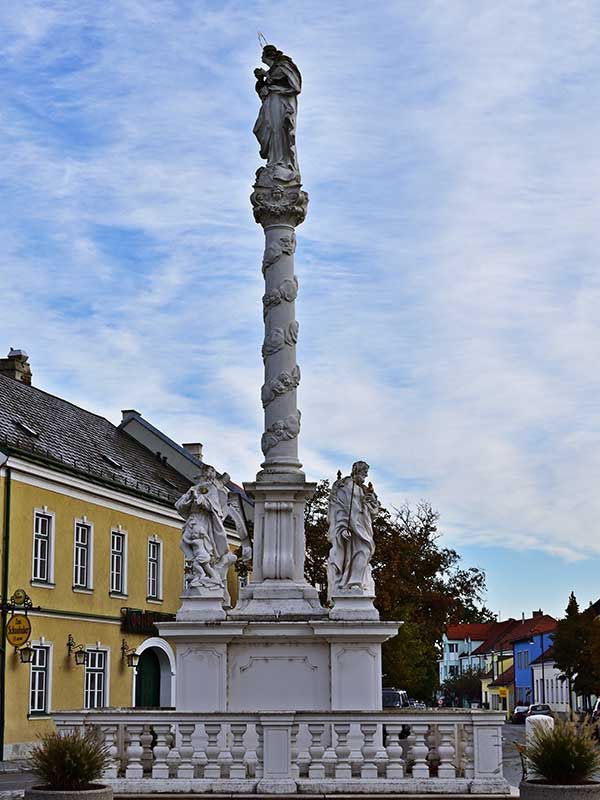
<point>147,683</point>
<point>154,676</point>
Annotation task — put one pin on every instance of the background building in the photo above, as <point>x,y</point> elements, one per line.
<point>90,533</point>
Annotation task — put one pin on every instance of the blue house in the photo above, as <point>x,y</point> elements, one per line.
<point>530,639</point>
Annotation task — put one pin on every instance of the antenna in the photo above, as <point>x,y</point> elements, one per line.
<point>262,39</point>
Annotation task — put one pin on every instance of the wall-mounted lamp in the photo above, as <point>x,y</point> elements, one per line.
<point>81,656</point>
<point>129,654</point>
<point>26,654</point>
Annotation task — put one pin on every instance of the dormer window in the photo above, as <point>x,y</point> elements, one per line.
<point>25,427</point>
<point>112,461</point>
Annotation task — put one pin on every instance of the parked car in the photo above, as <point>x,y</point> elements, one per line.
<point>539,708</point>
<point>394,698</point>
<point>519,714</point>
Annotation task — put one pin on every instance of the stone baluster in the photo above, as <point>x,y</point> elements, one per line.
<point>260,750</point>
<point>329,756</point>
<point>237,768</point>
<point>369,750</point>
<point>110,740</point>
<point>356,756</point>
<point>186,750</point>
<point>212,769</point>
<point>146,740</point>
<point>316,749</point>
<point>134,753</point>
<point>395,764</point>
<point>225,758</point>
<point>432,740</point>
<point>173,757</point>
<point>468,765</point>
<point>446,768</point>
<point>343,769</point>
<point>160,767</point>
<point>295,766</point>
<point>199,759</point>
<point>420,751</point>
<point>381,756</point>
<point>303,759</point>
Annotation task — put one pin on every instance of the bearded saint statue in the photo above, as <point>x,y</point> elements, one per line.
<point>352,507</point>
<point>278,88</point>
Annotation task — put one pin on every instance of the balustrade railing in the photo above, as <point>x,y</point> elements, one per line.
<point>451,751</point>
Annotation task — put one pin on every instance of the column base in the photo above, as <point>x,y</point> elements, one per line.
<point>277,600</point>
<point>205,607</point>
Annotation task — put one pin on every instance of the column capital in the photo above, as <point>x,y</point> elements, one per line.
<point>278,199</point>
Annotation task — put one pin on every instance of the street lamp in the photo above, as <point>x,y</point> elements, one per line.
<point>26,654</point>
<point>129,654</point>
<point>81,656</point>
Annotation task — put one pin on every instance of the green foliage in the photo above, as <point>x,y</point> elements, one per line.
<point>576,648</point>
<point>69,761</point>
<point>416,581</point>
<point>566,754</point>
<point>466,686</point>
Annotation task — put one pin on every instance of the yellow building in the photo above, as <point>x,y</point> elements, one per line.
<point>90,533</point>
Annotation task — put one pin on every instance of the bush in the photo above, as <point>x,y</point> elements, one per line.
<point>565,754</point>
<point>69,761</point>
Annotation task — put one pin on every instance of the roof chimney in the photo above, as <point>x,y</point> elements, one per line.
<point>16,366</point>
<point>538,613</point>
<point>194,449</point>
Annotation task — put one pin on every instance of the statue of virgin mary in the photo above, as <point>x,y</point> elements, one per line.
<point>278,88</point>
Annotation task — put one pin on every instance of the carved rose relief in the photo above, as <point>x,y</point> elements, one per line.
<point>285,245</point>
<point>281,430</point>
<point>287,291</point>
<point>284,382</point>
<point>279,337</point>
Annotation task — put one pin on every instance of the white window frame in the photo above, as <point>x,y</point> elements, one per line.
<point>41,644</point>
<point>92,651</point>
<point>118,531</point>
<point>48,581</point>
<point>88,584</point>
<point>158,596</point>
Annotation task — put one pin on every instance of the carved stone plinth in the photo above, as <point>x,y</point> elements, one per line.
<point>352,605</point>
<point>278,588</point>
<point>204,605</point>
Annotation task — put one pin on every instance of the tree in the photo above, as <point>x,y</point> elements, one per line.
<point>464,687</point>
<point>577,648</point>
<point>416,581</point>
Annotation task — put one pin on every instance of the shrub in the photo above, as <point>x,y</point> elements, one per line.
<point>565,754</point>
<point>69,761</point>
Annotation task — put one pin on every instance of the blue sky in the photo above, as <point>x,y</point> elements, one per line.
<point>449,264</point>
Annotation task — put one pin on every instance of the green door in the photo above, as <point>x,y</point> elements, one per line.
<point>147,684</point>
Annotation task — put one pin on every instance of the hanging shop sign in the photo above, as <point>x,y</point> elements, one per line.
<point>503,691</point>
<point>134,620</point>
<point>18,630</point>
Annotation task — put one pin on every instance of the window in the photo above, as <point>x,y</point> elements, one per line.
<point>453,670</point>
<point>154,569</point>
<point>39,681</point>
<point>82,559</point>
<point>95,679</point>
<point>118,562</point>
<point>453,647</point>
<point>43,534</point>
<point>537,689</point>
<point>525,659</point>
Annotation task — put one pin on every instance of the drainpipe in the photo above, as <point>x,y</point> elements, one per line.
<point>4,597</point>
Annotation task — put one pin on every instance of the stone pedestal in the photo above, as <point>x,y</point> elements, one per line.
<point>313,665</point>
<point>352,605</point>
<point>205,605</point>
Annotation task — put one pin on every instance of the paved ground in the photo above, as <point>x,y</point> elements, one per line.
<point>512,761</point>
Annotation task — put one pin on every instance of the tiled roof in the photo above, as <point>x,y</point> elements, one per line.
<point>475,630</point>
<point>548,655</point>
<point>534,625</point>
<point>42,427</point>
<point>505,678</point>
<point>497,637</point>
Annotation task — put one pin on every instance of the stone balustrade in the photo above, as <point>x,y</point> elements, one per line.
<point>445,751</point>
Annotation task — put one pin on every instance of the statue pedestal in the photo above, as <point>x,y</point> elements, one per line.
<point>202,604</point>
<point>352,605</point>
<point>310,665</point>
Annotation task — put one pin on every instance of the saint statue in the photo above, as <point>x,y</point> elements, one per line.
<point>278,88</point>
<point>204,508</point>
<point>352,508</point>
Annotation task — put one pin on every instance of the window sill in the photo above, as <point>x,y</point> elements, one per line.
<point>42,584</point>
<point>154,600</point>
<point>39,715</point>
<point>120,595</point>
<point>82,590</point>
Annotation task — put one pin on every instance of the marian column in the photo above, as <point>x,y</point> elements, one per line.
<point>280,490</point>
